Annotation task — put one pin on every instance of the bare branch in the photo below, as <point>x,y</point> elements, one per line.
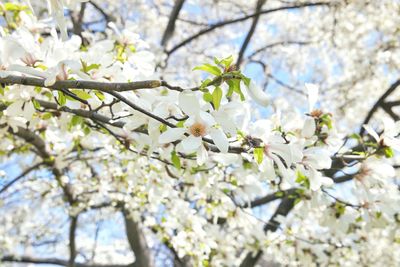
<point>137,242</point>
<point>22,175</point>
<point>171,22</point>
<point>228,22</point>
<point>379,103</point>
<point>72,243</point>
<point>54,261</point>
<point>250,33</point>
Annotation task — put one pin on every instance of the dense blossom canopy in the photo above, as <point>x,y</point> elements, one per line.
<point>199,133</point>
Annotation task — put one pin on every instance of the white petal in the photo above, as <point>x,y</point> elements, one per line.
<point>258,95</point>
<point>189,103</point>
<point>15,109</point>
<point>171,135</point>
<point>207,118</point>
<point>220,139</point>
<point>308,128</point>
<point>191,143</point>
<point>202,155</point>
<point>371,132</point>
<point>312,91</point>
<point>315,179</point>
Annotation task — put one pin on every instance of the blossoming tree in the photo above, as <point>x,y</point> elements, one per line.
<point>199,133</point>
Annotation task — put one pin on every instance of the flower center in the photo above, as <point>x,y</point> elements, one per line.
<point>197,129</point>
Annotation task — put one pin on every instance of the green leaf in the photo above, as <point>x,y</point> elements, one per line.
<point>205,83</point>
<point>180,124</point>
<point>216,97</point>
<point>47,116</point>
<point>389,153</point>
<point>246,80</point>
<point>81,94</point>
<point>209,68</point>
<point>234,86</point>
<point>62,100</point>
<point>258,154</point>
<point>175,160</point>
<point>302,179</point>
<point>35,104</point>
<point>355,136</point>
<point>227,62</point>
<point>99,95</point>
<point>207,97</point>
<point>76,120</point>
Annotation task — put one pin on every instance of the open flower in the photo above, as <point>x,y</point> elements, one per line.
<point>199,124</point>
<point>388,137</point>
<point>314,159</point>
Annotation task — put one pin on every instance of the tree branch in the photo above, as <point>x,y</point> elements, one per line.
<point>251,31</point>
<point>22,175</point>
<point>228,22</point>
<point>72,241</point>
<point>54,261</point>
<point>171,22</point>
<point>81,84</point>
<point>136,241</point>
<point>379,103</point>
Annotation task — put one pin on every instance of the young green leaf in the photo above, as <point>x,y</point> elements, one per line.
<point>175,160</point>
<point>62,100</point>
<point>209,68</point>
<point>216,97</point>
<point>258,154</point>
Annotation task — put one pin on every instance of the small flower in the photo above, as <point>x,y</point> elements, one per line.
<point>388,137</point>
<point>198,125</point>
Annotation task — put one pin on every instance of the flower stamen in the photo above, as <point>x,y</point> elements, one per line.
<point>197,129</point>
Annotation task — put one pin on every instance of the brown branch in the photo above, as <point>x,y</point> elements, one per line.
<point>250,33</point>
<point>171,22</point>
<point>137,241</point>
<point>379,103</point>
<point>82,84</point>
<point>54,261</point>
<point>106,16</point>
<point>228,22</point>
<point>72,241</point>
<point>40,146</point>
<point>77,20</point>
<point>22,175</point>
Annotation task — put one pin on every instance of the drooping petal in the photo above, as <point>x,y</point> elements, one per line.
<point>312,92</point>
<point>220,139</point>
<point>191,143</point>
<point>202,155</point>
<point>189,103</point>
<point>171,135</point>
<point>315,179</point>
<point>258,95</point>
<point>308,128</point>
<point>371,132</point>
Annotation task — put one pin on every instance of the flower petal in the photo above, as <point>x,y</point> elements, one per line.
<point>312,91</point>
<point>220,139</point>
<point>202,155</point>
<point>308,128</point>
<point>189,103</point>
<point>258,95</point>
<point>191,143</point>
<point>171,135</point>
<point>372,132</point>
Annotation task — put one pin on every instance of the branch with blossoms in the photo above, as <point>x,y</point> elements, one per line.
<point>190,164</point>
